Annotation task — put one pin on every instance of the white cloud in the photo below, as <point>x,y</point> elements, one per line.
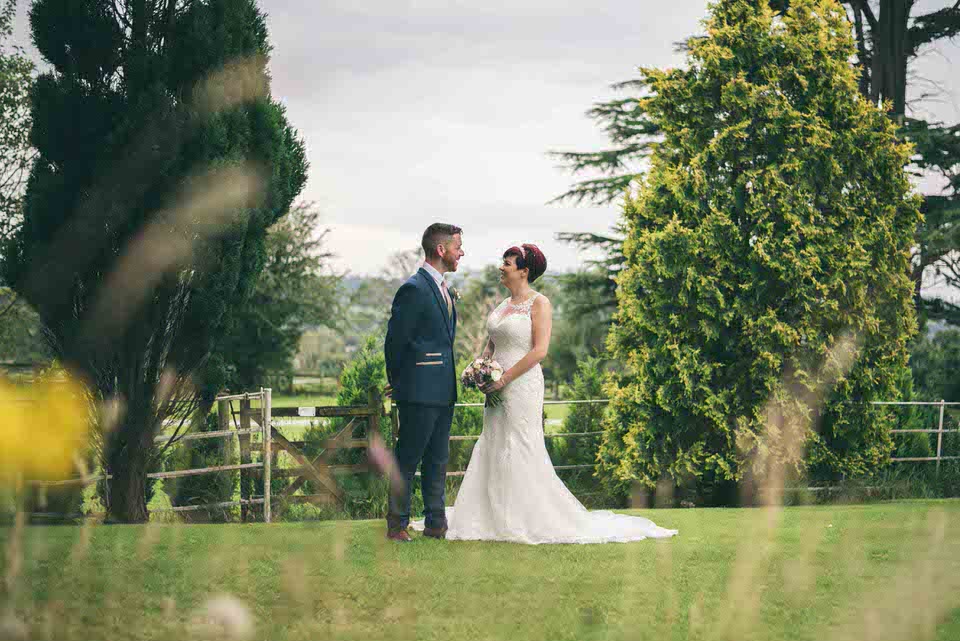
<point>423,110</point>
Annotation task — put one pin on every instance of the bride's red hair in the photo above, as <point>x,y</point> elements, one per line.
<point>529,257</point>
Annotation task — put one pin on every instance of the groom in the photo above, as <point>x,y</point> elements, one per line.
<point>420,370</point>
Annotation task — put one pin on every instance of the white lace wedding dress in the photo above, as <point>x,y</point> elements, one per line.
<point>510,491</point>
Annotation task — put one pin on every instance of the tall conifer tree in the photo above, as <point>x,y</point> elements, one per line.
<point>162,163</point>
<point>776,218</point>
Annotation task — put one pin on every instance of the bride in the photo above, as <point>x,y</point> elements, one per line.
<point>510,491</point>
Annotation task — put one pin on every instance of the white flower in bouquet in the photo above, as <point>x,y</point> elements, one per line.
<point>481,372</point>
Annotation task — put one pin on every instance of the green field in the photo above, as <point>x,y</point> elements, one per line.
<point>553,412</point>
<point>885,571</point>
<point>303,400</point>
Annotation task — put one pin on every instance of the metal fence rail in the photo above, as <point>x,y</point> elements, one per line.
<point>940,431</point>
<point>395,424</point>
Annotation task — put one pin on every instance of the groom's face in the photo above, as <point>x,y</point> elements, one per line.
<point>452,252</point>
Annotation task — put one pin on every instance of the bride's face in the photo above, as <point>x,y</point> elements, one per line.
<point>510,275</point>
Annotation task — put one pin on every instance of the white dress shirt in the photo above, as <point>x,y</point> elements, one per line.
<point>438,278</point>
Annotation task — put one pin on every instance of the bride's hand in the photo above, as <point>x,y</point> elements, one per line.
<point>495,386</point>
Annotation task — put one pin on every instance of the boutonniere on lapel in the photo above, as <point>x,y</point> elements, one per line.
<point>454,294</point>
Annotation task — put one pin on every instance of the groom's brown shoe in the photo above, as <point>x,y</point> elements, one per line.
<point>400,535</point>
<point>435,533</point>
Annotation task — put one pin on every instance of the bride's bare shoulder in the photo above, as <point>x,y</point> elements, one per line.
<point>542,303</point>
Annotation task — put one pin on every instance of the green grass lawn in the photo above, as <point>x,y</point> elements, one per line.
<point>558,412</point>
<point>885,571</point>
<point>319,400</point>
<point>295,431</point>
<point>303,400</point>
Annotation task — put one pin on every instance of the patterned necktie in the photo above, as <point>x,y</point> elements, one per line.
<point>446,297</point>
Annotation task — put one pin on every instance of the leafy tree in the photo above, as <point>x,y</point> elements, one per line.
<point>588,384</point>
<point>322,350</point>
<point>935,363</point>
<point>21,338</point>
<point>370,299</point>
<point>366,371</point>
<point>889,36</point>
<point>582,319</point>
<point>145,219</point>
<point>480,294</point>
<point>775,219</point>
<point>16,154</point>
<point>294,292</point>
<point>21,333</point>
<point>632,134</point>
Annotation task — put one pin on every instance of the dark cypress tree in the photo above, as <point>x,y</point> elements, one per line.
<point>162,162</point>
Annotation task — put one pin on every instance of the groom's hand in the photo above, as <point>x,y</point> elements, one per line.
<point>388,391</point>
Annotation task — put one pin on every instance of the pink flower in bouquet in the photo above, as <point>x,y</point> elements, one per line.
<point>481,372</point>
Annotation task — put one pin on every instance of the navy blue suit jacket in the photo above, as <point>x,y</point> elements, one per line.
<point>419,345</point>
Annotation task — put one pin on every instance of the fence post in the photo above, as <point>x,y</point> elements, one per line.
<point>266,402</point>
<point>394,423</point>
<point>223,424</point>
<point>246,489</point>
<point>376,409</point>
<point>940,436</point>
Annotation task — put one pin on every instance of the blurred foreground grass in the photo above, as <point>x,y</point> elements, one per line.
<point>886,571</point>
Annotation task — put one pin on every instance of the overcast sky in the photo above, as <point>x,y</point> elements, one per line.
<point>443,110</point>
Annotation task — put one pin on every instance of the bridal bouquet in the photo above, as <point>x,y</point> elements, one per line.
<point>480,372</point>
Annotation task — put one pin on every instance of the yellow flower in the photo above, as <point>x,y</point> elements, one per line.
<point>42,427</point>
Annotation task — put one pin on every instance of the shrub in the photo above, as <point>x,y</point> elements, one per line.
<point>205,488</point>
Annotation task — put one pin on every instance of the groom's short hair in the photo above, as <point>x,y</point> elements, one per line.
<point>437,234</point>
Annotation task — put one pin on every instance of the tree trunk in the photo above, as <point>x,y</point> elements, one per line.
<point>137,67</point>
<point>890,52</point>
<point>130,451</point>
<point>864,83</point>
<point>128,487</point>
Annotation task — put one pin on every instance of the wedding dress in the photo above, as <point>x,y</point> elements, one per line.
<point>510,491</point>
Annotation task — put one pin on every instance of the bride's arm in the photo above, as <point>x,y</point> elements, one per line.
<point>542,321</point>
<point>489,349</point>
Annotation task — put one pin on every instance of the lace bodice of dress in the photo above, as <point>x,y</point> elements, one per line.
<point>510,327</point>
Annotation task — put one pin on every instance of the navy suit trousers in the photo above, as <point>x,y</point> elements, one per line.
<point>424,436</point>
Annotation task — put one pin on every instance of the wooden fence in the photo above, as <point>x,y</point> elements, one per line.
<point>320,469</point>
<point>246,423</point>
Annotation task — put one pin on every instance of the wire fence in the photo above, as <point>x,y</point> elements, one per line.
<point>262,422</point>
<point>943,428</point>
<point>395,423</point>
